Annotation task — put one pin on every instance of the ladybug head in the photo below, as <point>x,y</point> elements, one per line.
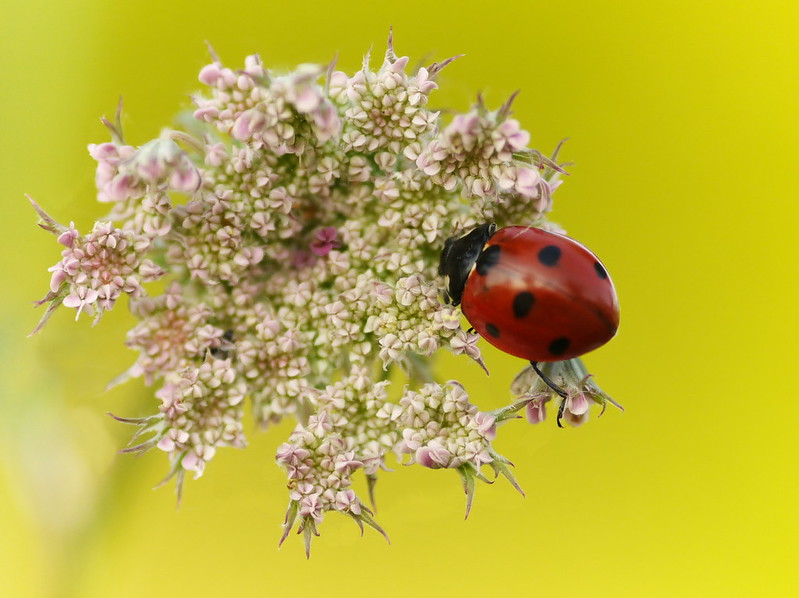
<point>459,256</point>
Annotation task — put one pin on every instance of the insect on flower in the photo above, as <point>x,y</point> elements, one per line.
<point>531,293</point>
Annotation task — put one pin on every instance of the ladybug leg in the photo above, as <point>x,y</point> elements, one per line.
<point>554,387</point>
<point>471,330</point>
<point>561,409</point>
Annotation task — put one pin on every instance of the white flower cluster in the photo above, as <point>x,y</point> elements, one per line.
<point>384,110</point>
<point>441,428</point>
<point>203,412</point>
<point>413,319</point>
<point>353,407</point>
<point>320,464</point>
<point>283,115</point>
<point>97,269</point>
<point>215,246</point>
<point>303,269</point>
<point>486,154</point>
<point>126,172</point>
<point>172,334</point>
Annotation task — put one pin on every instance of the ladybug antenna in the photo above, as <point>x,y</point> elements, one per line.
<point>554,387</point>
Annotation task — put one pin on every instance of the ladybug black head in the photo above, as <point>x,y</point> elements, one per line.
<point>459,256</point>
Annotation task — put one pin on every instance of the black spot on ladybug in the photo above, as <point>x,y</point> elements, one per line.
<point>600,271</point>
<point>549,255</point>
<point>522,303</point>
<point>488,259</point>
<point>492,330</point>
<point>559,346</point>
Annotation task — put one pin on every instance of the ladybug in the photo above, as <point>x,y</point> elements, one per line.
<point>531,293</point>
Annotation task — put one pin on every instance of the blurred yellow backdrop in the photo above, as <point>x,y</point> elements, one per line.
<point>683,125</point>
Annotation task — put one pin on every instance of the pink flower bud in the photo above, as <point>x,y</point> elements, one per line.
<point>325,241</point>
<point>536,410</point>
<point>433,456</point>
<point>185,181</point>
<point>206,113</point>
<point>209,74</point>
<point>103,151</point>
<point>486,425</point>
<point>241,128</point>
<point>578,403</point>
<point>527,181</point>
<point>166,444</point>
<point>58,277</point>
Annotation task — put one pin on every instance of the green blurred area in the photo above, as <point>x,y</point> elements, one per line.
<point>682,119</point>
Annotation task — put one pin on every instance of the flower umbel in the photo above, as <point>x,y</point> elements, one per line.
<point>297,224</point>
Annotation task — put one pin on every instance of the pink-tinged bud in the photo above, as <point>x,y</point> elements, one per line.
<point>206,113</point>
<point>253,66</point>
<point>465,124</point>
<point>149,271</point>
<point>325,241</point>
<point>486,425</point>
<point>215,154</point>
<point>536,410</point>
<point>423,81</point>
<point>69,236</point>
<point>80,297</point>
<point>209,74</point>
<point>516,138</point>
<point>338,79</point>
<point>309,507</point>
<point>241,128</point>
<point>192,462</point>
<point>327,121</point>
<point>306,98</point>
<point>71,266</point>
<point>285,452</point>
<point>227,79</point>
<point>107,296</point>
<point>166,444</point>
<point>103,151</point>
<point>527,181</point>
<point>400,64</point>
<point>59,276</point>
<point>122,187</point>
<point>185,181</point>
<point>151,170</point>
<point>433,456</point>
<point>427,165</point>
<point>578,404</point>
<point>347,501</point>
<point>254,254</point>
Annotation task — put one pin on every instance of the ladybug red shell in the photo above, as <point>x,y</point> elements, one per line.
<point>531,293</point>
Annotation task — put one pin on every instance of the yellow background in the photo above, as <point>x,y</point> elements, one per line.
<point>683,125</point>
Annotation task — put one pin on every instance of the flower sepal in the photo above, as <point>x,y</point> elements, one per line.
<point>155,425</point>
<point>501,466</point>
<point>365,516</point>
<point>55,300</point>
<point>572,377</point>
<point>46,221</point>
<point>469,473</point>
<point>308,523</point>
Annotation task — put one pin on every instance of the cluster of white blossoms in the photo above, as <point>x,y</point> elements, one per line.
<point>320,462</point>
<point>296,227</point>
<point>441,428</point>
<point>97,269</point>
